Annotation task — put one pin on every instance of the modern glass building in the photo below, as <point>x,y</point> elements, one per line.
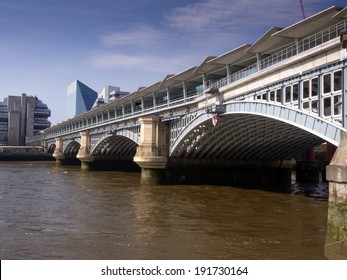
<point>80,99</point>
<point>22,117</point>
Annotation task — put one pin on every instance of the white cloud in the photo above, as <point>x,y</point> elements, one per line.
<point>193,32</point>
<point>227,15</point>
<point>198,16</point>
<point>143,35</point>
<point>150,63</point>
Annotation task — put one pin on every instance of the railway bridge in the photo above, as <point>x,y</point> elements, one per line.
<point>256,107</point>
<point>263,103</point>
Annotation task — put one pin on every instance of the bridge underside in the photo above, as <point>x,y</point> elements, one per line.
<point>241,149</point>
<point>245,137</point>
<point>239,144</point>
<point>114,152</point>
<point>115,147</point>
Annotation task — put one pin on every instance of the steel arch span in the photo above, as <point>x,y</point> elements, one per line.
<point>121,143</point>
<point>51,148</point>
<point>254,130</point>
<point>71,147</point>
<point>133,137</point>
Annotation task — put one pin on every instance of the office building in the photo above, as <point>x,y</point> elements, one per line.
<point>80,99</point>
<point>22,117</point>
<point>109,93</point>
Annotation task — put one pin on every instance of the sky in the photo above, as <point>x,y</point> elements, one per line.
<point>45,45</point>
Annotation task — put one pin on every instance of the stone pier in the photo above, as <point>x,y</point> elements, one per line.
<point>336,240</point>
<point>84,151</point>
<point>58,151</point>
<point>151,154</point>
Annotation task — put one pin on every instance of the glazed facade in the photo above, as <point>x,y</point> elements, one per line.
<point>80,98</point>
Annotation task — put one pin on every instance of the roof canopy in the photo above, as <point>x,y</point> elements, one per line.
<point>311,24</point>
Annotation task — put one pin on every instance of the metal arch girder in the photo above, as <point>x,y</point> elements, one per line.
<point>121,132</point>
<point>313,124</point>
<point>128,134</point>
<point>200,118</point>
<point>49,144</point>
<point>66,142</point>
<point>50,147</point>
<point>70,143</point>
<point>321,128</point>
<point>121,144</point>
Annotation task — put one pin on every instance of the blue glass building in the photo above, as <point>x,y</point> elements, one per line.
<point>80,99</point>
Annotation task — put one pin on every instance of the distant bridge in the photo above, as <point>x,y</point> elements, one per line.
<point>269,101</point>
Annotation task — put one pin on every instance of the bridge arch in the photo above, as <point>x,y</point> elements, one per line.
<point>121,144</point>
<point>51,148</point>
<point>252,130</point>
<point>71,147</point>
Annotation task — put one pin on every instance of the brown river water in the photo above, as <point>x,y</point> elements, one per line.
<point>61,212</point>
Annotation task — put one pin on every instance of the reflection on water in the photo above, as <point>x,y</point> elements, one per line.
<point>52,212</point>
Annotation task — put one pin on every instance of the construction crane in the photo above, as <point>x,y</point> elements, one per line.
<point>302,9</point>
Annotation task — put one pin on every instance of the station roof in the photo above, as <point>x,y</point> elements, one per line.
<point>232,56</point>
<point>311,24</point>
<point>180,77</point>
<point>150,89</point>
<point>341,14</point>
<point>205,67</point>
<point>183,76</point>
<point>268,43</point>
<point>164,82</point>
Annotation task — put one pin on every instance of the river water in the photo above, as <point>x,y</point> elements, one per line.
<point>61,212</point>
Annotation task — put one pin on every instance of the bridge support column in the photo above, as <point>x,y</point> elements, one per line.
<point>151,154</point>
<point>58,151</point>
<point>336,241</point>
<point>84,152</point>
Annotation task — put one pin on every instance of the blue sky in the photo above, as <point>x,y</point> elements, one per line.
<point>47,44</point>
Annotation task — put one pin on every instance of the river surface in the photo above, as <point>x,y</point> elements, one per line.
<point>61,212</point>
